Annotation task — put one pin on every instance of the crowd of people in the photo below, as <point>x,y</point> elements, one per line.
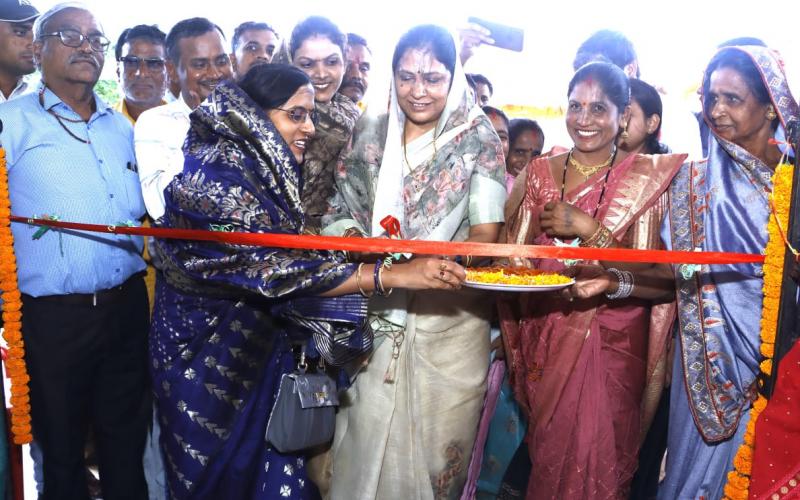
<point>166,356</point>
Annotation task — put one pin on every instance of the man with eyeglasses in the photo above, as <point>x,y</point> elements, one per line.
<point>196,57</point>
<point>85,320</point>
<point>16,47</point>
<point>142,70</point>
<point>253,43</point>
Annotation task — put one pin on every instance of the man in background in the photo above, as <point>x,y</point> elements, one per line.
<point>358,65</point>
<point>253,43</point>
<point>196,58</point>
<point>141,69</point>
<point>483,88</point>
<point>16,47</point>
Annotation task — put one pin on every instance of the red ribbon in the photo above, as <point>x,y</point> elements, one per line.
<point>392,226</point>
<point>383,245</point>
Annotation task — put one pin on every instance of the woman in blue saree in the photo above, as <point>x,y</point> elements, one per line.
<point>721,204</point>
<point>227,316</point>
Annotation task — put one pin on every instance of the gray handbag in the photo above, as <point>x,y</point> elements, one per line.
<point>304,414</point>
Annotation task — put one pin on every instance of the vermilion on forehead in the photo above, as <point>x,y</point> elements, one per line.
<point>421,61</point>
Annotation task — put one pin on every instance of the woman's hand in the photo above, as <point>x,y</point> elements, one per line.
<point>472,36</point>
<point>564,220</point>
<point>590,281</point>
<point>425,273</point>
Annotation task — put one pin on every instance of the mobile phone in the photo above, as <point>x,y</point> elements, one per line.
<point>505,37</point>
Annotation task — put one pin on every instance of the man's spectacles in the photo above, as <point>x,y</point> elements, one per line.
<point>153,64</point>
<point>299,114</point>
<point>74,38</point>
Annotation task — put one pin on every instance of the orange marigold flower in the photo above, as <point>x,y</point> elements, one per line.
<point>20,400</point>
<point>23,439</point>
<point>19,390</point>
<point>20,410</point>
<point>738,482</point>
<point>18,353</point>
<point>9,316</point>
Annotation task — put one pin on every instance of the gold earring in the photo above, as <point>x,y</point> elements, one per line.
<point>771,113</point>
<point>624,135</point>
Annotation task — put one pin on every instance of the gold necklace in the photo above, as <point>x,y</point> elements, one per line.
<point>405,153</point>
<point>589,170</point>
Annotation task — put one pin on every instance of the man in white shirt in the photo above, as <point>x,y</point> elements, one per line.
<point>16,46</point>
<point>196,58</point>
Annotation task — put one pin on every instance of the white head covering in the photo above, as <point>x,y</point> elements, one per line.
<point>389,194</point>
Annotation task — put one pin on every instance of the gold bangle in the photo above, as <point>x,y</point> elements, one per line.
<point>468,261</point>
<point>601,238</point>
<point>383,291</point>
<point>590,241</point>
<point>358,282</point>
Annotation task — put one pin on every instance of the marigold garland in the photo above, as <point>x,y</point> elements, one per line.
<point>738,486</point>
<point>12,319</point>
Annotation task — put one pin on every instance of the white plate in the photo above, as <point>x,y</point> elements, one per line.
<point>499,287</point>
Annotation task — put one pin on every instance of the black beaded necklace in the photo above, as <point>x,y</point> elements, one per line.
<point>59,118</point>
<point>605,179</point>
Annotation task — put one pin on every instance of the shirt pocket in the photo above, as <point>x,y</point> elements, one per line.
<point>133,191</point>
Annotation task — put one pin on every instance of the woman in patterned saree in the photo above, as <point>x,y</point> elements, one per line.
<point>227,316</point>
<point>317,47</point>
<point>406,426</point>
<point>721,205</point>
<point>581,368</point>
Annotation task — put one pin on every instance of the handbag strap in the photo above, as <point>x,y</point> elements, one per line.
<point>302,366</point>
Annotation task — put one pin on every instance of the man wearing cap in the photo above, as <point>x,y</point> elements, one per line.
<point>85,320</point>
<point>16,46</point>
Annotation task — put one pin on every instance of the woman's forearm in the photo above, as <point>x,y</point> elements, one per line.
<point>655,283</point>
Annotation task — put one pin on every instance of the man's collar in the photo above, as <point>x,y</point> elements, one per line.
<point>50,99</point>
<point>122,107</point>
<point>18,89</point>
<point>181,105</point>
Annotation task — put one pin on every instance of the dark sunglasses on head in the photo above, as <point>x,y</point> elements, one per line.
<point>299,114</point>
<point>132,63</point>
<point>74,38</point>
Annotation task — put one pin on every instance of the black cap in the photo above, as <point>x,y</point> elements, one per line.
<point>17,11</point>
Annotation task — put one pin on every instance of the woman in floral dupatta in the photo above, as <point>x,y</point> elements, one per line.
<point>227,316</point>
<point>406,427</point>
<point>580,368</point>
<point>317,46</point>
<point>721,205</point>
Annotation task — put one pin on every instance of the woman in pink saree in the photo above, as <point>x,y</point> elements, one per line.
<point>583,369</point>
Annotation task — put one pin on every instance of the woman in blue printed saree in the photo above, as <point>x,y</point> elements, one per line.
<point>406,427</point>
<point>721,204</point>
<point>227,316</point>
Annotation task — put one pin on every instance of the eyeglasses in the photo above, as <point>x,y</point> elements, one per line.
<point>153,64</point>
<point>299,114</point>
<point>74,38</point>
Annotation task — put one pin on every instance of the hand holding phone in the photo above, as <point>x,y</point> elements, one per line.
<point>500,35</point>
